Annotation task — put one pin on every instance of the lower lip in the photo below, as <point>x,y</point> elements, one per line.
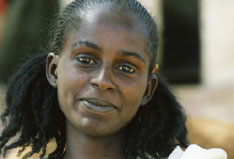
<point>97,108</point>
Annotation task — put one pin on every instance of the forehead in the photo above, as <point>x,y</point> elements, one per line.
<point>107,19</point>
<point>108,14</point>
<point>111,29</point>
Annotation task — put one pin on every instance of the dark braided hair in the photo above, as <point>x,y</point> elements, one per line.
<point>32,106</point>
<point>34,113</point>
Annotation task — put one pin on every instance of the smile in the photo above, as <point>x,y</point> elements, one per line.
<point>97,105</point>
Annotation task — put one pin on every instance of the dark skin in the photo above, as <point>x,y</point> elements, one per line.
<point>102,80</point>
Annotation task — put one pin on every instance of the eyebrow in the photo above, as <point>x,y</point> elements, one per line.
<point>136,55</point>
<point>87,44</point>
<point>96,47</point>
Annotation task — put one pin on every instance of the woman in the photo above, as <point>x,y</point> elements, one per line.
<point>96,94</point>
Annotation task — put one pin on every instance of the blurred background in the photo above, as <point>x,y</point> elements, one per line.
<point>196,56</point>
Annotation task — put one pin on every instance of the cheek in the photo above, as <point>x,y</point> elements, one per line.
<point>132,92</point>
<point>69,84</point>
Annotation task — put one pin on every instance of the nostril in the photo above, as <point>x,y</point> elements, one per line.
<point>94,85</point>
<point>110,89</point>
<point>102,86</point>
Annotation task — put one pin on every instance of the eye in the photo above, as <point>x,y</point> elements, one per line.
<point>127,69</point>
<point>86,60</point>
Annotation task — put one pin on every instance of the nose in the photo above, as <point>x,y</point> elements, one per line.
<point>102,80</point>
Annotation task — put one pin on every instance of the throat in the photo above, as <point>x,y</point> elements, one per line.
<point>82,146</point>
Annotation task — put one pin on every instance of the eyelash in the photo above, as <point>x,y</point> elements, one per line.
<point>90,61</point>
<point>86,60</point>
<point>127,69</point>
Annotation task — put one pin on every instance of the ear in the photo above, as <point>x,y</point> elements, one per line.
<point>151,87</point>
<point>51,69</point>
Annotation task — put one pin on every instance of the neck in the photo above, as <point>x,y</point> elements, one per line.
<point>82,146</point>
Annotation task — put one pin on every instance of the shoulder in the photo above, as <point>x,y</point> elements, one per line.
<point>13,154</point>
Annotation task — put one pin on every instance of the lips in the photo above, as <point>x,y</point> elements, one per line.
<point>97,105</point>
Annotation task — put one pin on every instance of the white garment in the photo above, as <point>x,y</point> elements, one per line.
<point>196,152</point>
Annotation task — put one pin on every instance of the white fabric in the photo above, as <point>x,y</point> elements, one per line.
<point>196,152</point>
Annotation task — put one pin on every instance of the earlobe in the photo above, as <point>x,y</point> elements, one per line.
<point>151,87</point>
<point>51,69</point>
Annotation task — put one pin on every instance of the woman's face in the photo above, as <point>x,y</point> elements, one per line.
<point>102,72</point>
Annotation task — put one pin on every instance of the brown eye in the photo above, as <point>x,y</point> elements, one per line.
<point>86,60</point>
<point>126,69</point>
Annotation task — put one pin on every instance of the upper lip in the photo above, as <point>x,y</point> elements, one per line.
<point>99,102</point>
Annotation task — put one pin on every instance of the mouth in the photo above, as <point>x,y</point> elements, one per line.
<point>97,105</point>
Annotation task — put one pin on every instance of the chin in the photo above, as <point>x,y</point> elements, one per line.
<point>97,129</point>
<point>97,132</point>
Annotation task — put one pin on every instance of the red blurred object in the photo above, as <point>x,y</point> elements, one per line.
<point>2,6</point>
